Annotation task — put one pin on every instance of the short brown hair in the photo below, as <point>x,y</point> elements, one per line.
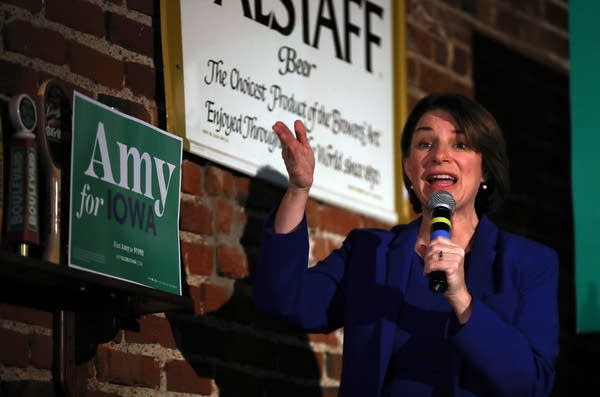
<point>482,133</point>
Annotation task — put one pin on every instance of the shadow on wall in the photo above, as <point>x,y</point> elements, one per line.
<point>245,353</point>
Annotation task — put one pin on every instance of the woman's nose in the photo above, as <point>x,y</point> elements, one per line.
<point>440,153</point>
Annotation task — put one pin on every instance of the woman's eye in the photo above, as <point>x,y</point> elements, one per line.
<point>461,146</point>
<point>423,145</point>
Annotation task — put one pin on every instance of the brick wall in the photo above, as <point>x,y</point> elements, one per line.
<point>109,50</point>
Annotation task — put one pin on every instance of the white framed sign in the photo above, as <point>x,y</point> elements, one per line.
<point>233,68</point>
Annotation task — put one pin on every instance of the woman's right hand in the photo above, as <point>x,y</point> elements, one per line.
<point>299,162</point>
<point>297,155</point>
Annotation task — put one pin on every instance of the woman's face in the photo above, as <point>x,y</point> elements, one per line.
<point>440,159</point>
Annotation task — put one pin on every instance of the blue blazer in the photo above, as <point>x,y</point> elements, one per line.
<point>507,348</point>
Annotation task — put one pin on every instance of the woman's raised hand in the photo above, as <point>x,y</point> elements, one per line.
<point>299,161</point>
<point>297,155</point>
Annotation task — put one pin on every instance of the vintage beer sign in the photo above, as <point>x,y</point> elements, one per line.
<point>330,64</point>
<point>124,206</point>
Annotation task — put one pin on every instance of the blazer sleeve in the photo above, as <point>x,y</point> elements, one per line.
<point>516,356</point>
<point>284,287</point>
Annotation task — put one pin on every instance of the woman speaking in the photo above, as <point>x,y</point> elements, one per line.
<point>469,312</point>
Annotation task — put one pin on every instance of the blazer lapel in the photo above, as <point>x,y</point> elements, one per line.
<point>400,252</point>
<point>479,273</point>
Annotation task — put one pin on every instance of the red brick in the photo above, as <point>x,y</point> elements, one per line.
<point>329,391</point>
<point>557,15</point>
<point>412,76</point>
<point>485,11</point>
<point>127,369</point>
<point>420,41</point>
<point>241,217</point>
<point>224,215</point>
<point>32,5</point>
<point>153,329</point>
<point>80,15</point>
<point>130,34</point>
<point>143,6</point>
<point>554,42</point>
<point>456,29</point>
<point>96,393</point>
<point>461,61</point>
<point>320,361</point>
<point>509,22</point>
<point>313,214</point>
<point>195,293</point>
<point>209,297</point>
<point>27,388</point>
<point>14,349</point>
<point>218,181</point>
<point>330,339</point>
<point>141,79</point>
<point>102,363</point>
<point>376,223</point>
<point>149,116</point>
<point>334,366</point>
<point>118,338</point>
<point>96,66</point>
<point>155,118</point>
<point>191,178</point>
<point>440,53</point>
<point>531,8</point>
<point>126,106</point>
<point>435,80</point>
<point>181,377</point>
<point>26,315</point>
<point>198,258</point>
<point>17,79</point>
<point>41,351</point>
<point>320,249</point>
<point>242,189</point>
<point>24,38</point>
<point>232,262</point>
<point>195,218</point>
<point>338,220</point>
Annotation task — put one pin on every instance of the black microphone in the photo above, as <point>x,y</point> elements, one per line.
<point>441,204</point>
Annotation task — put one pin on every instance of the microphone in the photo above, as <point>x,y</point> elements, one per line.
<point>441,204</point>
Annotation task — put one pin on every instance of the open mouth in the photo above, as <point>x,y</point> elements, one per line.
<point>444,179</point>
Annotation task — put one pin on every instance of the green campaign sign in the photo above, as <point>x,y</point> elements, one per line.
<point>124,206</point>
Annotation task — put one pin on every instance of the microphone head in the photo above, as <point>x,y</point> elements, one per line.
<point>441,198</point>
